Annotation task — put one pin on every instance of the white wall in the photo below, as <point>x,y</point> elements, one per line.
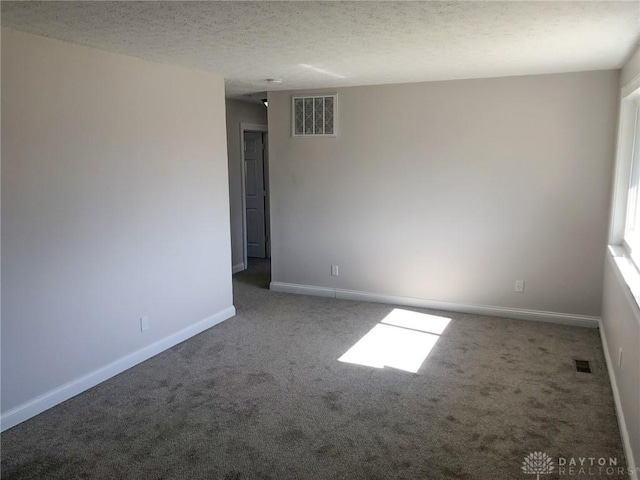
<point>621,326</point>
<point>451,191</point>
<point>115,205</point>
<point>239,112</point>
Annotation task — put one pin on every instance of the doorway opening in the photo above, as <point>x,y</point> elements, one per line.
<point>255,192</point>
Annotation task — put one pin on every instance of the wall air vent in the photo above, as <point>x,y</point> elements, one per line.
<point>314,116</point>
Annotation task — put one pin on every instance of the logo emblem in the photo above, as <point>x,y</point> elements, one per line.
<point>537,463</point>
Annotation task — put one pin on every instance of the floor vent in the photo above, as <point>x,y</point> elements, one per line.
<point>583,366</point>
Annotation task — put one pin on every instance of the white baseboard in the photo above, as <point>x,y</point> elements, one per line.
<point>302,289</point>
<point>238,267</point>
<point>58,395</point>
<point>626,442</point>
<point>535,315</point>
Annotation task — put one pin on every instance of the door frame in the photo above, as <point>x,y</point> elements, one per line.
<point>250,127</point>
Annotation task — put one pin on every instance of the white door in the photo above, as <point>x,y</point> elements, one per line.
<point>255,193</point>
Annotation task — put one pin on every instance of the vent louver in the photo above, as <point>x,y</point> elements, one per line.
<point>583,366</point>
<point>314,116</point>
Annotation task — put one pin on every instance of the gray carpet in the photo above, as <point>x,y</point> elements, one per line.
<point>262,396</point>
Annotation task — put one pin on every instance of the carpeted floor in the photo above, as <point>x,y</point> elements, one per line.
<point>263,396</point>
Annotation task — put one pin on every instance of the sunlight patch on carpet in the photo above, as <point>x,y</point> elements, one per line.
<point>402,340</point>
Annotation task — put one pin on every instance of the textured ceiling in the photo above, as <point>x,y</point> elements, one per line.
<point>326,44</point>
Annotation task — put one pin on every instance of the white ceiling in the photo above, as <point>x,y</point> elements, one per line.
<point>326,44</point>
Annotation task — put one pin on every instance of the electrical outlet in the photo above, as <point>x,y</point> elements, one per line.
<point>519,286</point>
<point>619,358</point>
<point>334,270</point>
<point>144,323</point>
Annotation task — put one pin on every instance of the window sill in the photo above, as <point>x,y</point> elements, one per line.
<point>627,269</point>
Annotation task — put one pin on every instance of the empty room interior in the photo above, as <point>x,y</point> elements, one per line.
<point>320,240</point>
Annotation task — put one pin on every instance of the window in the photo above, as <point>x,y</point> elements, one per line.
<point>624,236</point>
<point>627,196</point>
<point>632,223</point>
<point>314,115</point>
